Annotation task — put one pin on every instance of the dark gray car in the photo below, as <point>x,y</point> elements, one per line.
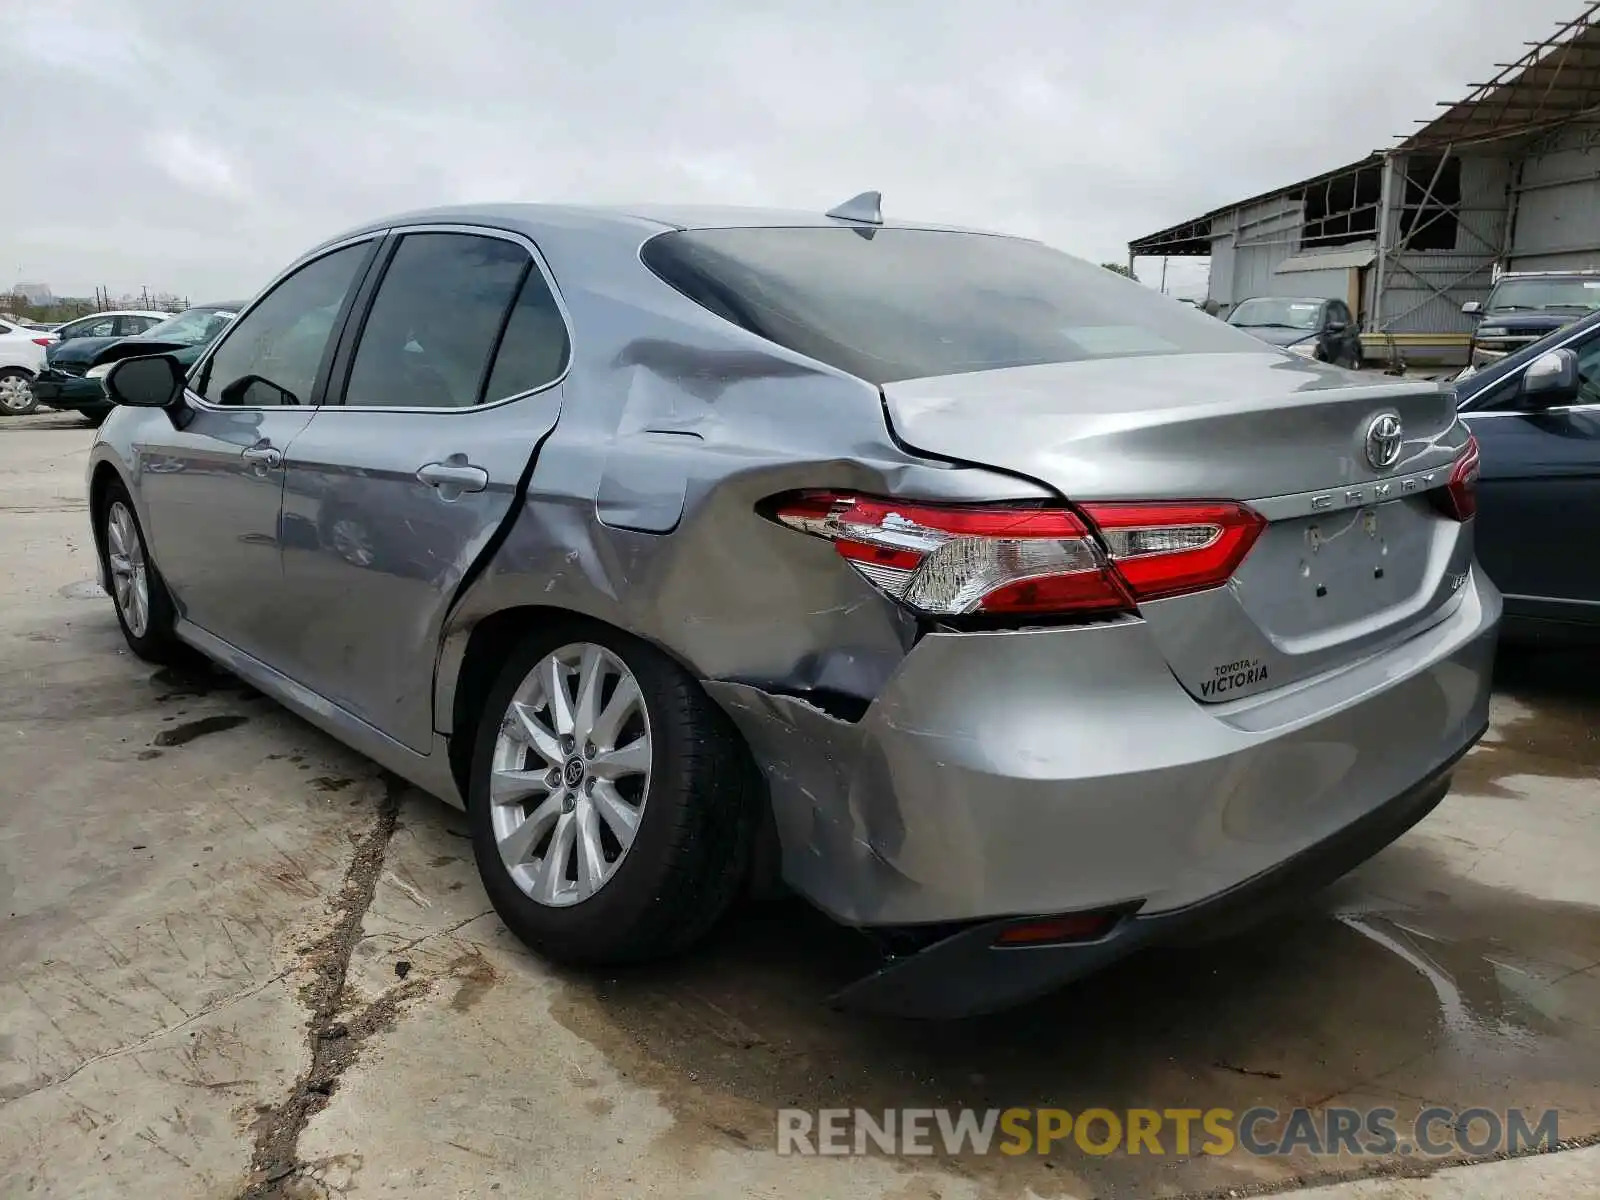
<point>1019,615</point>
<point>1305,325</point>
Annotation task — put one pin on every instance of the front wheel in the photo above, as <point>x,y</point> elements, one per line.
<point>16,397</point>
<point>611,802</point>
<point>144,610</point>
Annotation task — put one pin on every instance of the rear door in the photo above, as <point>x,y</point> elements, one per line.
<point>1540,495</point>
<point>446,384</point>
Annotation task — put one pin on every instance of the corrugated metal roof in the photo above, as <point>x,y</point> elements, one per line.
<point>1331,260</point>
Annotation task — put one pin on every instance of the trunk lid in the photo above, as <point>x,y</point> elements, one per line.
<point>1355,556</point>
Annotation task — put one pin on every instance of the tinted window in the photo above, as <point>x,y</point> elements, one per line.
<point>534,350</point>
<point>891,304</point>
<point>1339,314</point>
<point>435,321</point>
<point>271,355</point>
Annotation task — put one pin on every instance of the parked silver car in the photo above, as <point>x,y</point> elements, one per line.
<point>1018,615</point>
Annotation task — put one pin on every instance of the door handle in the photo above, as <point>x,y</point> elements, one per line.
<point>263,456</point>
<point>454,477</point>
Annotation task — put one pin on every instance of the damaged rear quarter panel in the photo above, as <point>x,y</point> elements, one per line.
<point>641,510</point>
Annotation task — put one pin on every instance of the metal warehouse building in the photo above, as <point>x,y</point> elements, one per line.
<point>1507,179</point>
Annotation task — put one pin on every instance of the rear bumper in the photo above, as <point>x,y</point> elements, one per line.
<point>1009,774</point>
<point>967,973</point>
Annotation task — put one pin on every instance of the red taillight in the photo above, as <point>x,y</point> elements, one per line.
<point>1168,549</point>
<point>950,559</point>
<point>43,341</point>
<point>1460,498</point>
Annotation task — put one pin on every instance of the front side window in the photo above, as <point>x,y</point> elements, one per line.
<point>102,328</point>
<point>271,356</point>
<point>435,322</point>
<point>889,304</point>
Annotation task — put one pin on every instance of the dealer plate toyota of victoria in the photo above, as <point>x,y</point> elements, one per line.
<point>1004,610</point>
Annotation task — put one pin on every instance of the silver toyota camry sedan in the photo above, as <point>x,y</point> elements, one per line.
<point>1007,611</point>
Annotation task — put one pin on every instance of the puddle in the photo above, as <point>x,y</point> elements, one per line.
<point>1554,733</point>
<point>88,589</point>
<point>180,735</point>
<point>1459,995</point>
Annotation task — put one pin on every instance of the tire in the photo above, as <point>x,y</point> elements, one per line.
<point>689,852</point>
<point>16,399</point>
<point>148,627</point>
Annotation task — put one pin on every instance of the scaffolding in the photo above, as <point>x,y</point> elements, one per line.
<point>1439,209</point>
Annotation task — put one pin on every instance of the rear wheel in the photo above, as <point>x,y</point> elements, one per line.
<point>144,610</point>
<point>16,398</point>
<point>610,803</point>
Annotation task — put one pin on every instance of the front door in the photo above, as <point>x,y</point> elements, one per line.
<point>212,482</point>
<point>1539,496</point>
<point>397,487</point>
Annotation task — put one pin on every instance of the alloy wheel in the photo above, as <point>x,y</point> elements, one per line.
<point>570,774</point>
<point>129,579</point>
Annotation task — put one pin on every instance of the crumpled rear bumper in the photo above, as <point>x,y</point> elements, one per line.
<point>1014,774</point>
<point>967,973</point>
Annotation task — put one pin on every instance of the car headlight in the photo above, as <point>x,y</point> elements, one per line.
<point>1493,331</point>
<point>1304,349</point>
<point>99,372</point>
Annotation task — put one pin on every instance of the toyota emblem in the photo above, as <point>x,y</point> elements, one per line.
<point>1383,441</point>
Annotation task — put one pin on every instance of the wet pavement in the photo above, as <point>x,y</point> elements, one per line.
<point>239,961</point>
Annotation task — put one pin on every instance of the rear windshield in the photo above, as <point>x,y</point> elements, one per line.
<point>888,304</point>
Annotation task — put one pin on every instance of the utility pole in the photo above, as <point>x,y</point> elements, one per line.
<point>1163,274</point>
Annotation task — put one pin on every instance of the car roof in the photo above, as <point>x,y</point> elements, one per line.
<point>120,312</point>
<point>633,220</point>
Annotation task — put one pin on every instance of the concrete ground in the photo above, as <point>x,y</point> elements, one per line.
<point>236,960</point>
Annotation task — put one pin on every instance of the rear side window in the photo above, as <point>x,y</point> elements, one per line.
<point>534,350</point>
<point>435,321</point>
<point>888,304</point>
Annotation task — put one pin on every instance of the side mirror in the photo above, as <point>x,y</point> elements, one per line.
<point>1551,379</point>
<point>153,381</point>
<point>1472,308</point>
<point>1337,327</point>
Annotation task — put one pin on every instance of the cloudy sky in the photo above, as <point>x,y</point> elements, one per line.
<point>197,145</point>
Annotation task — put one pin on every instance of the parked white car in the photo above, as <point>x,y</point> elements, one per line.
<point>21,358</point>
<point>119,324</point>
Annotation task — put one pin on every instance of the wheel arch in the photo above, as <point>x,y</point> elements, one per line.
<point>487,643</point>
<point>101,480</point>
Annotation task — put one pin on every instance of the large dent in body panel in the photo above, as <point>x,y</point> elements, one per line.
<point>838,843</point>
<point>643,507</point>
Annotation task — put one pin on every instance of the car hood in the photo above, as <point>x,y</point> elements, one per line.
<point>1274,336</point>
<point>1526,323</point>
<point>133,347</point>
<point>77,350</point>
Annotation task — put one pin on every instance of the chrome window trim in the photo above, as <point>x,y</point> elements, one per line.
<point>402,230</point>
<point>1529,412</point>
